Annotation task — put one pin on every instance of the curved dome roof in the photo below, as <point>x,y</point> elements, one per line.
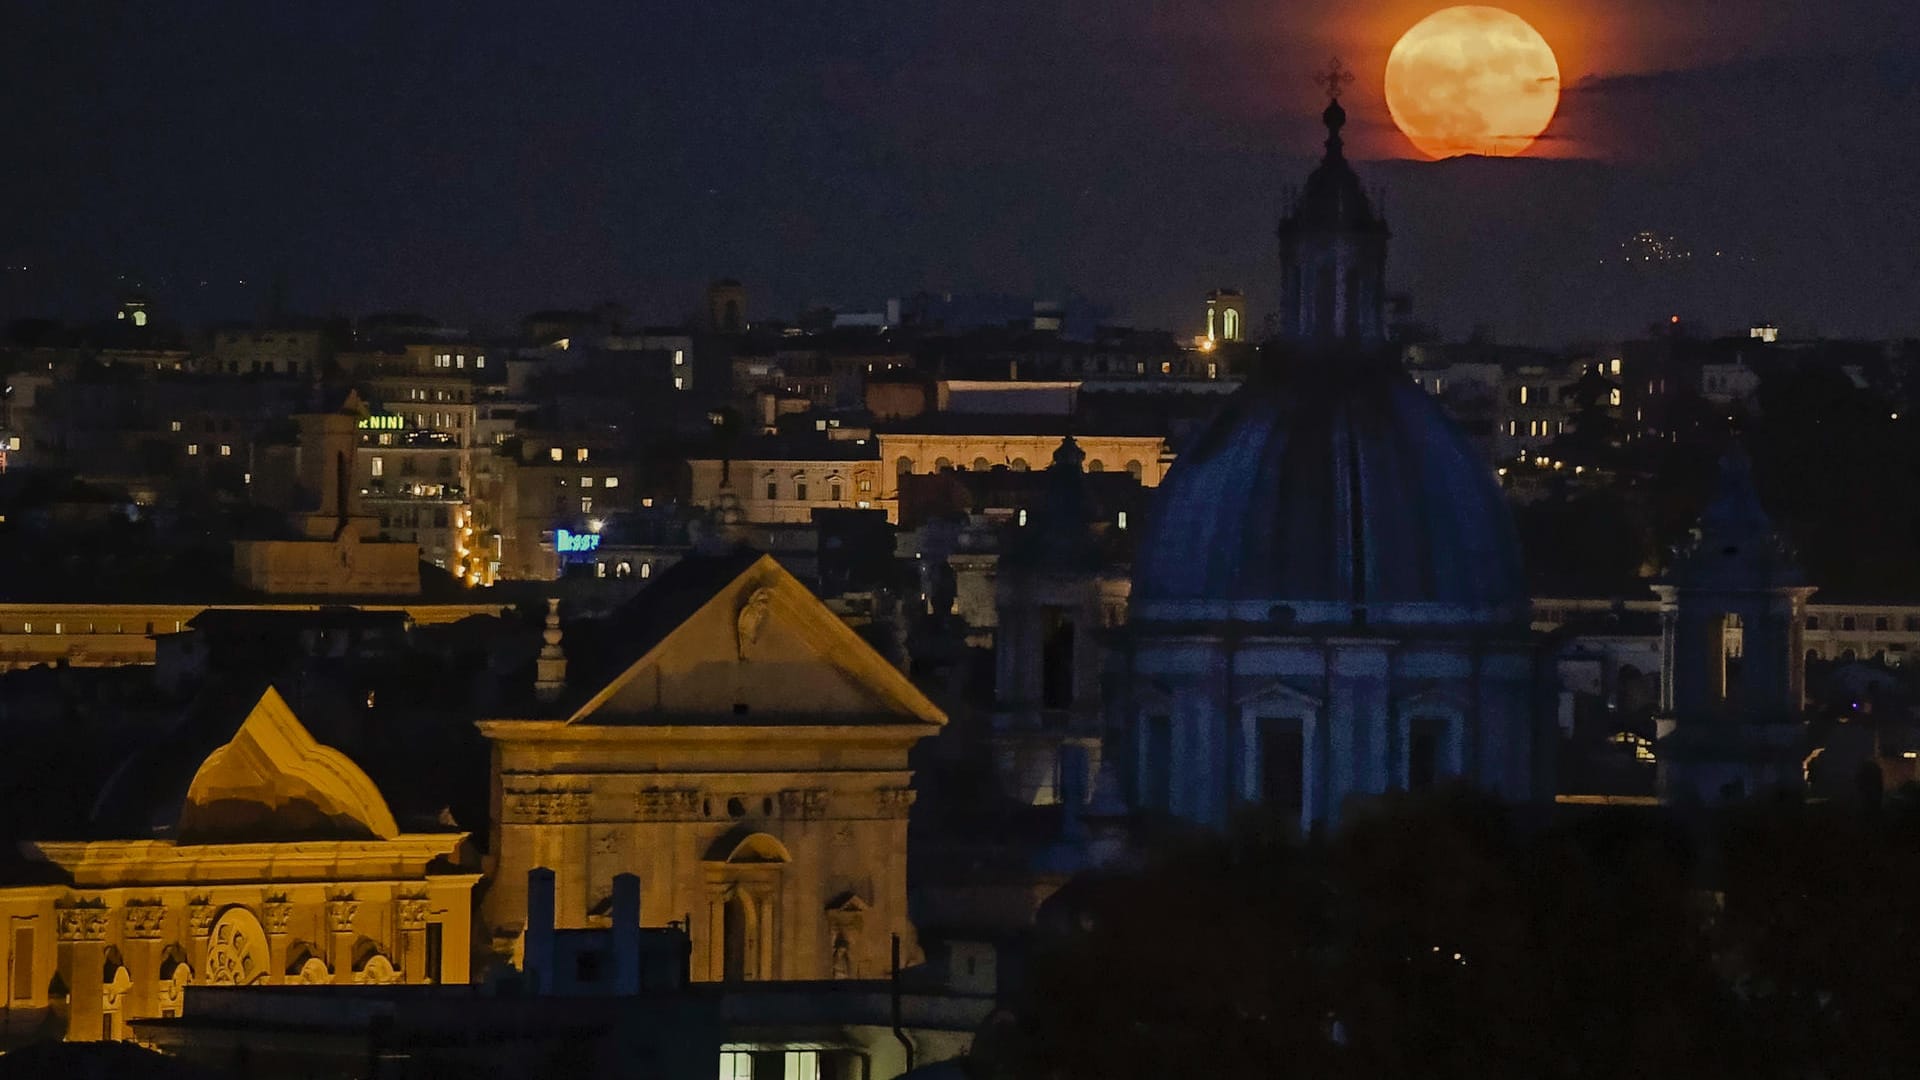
<point>1345,490</point>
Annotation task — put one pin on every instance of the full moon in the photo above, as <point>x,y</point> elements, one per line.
<point>1472,80</point>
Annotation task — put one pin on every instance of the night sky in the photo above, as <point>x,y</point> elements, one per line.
<point>481,159</point>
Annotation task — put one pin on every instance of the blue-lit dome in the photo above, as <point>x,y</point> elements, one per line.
<point>1310,498</point>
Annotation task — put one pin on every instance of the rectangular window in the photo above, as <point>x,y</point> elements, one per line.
<point>175,426</point>
<point>1880,623</point>
<point>1283,765</point>
<point>736,1065</point>
<point>679,382</point>
<point>226,450</point>
<point>193,449</point>
<point>556,453</point>
<point>580,454</point>
<point>479,361</point>
<point>1157,773</point>
<point>378,465</point>
<point>460,361</point>
<point>586,505</point>
<point>833,492</point>
<point>800,490</point>
<point>1813,622</point>
<point>866,484</point>
<point>773,490</point>
<point>23,963</point>
<point>586,481</point>
<point>801,1065</point>
<point>1423,761</point>
<point>611,482</point>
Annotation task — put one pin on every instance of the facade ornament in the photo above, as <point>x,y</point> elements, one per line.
<point>143,920</point>
<point>752,617</point>
<point>550,669</point>
<point>543,805</point>
<point>803,802</point>
<point>341,911</point>
<point>413,913</point>
<point>894,801</point>
<point>279,912</point>
<point>200,915</point>
<point>667,804</point>
<point>82,921</point>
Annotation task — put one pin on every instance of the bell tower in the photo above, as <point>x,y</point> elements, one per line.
<point>1733,668</point>
<point>1333,247</point>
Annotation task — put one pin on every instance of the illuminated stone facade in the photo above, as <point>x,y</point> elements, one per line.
<point>750,765</point>
<point>283,866</point>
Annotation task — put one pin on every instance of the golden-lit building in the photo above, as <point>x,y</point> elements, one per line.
<point>936,443</point>
<point>741,750</point>
<point>281,864</point>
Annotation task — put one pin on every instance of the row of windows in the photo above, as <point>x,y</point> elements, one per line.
<point>622,569</point>
<point>1910,623</point>
<point>609,482</point>
<point>836,489</point>
<point>457,360</point>
<point>225,449</point>
<point>904,466</point>
<point>556,454</point>
<point>118,628</point>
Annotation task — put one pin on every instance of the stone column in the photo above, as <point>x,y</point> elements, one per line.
<point>82,932</point>
<point>141,946</point>
<point>278,913</point>
<point>200,916</point>
<point>765,964</point>
<point>410,916</point>
<point>341,911</point>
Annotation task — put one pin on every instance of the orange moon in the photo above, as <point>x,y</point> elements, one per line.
<point>1472,80</point>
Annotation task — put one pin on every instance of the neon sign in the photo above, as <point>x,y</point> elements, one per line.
<point>382,422</point>
<point>566,542</point>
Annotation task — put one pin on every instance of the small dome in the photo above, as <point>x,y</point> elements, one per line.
<point>1327,493</point>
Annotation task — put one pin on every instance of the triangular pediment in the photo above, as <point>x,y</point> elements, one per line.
<point>274,781</point>
<point>762,650</point>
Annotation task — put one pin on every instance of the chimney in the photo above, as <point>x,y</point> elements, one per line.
<point>626,934</point>
<point>550,670</point>
<point>537,954</point>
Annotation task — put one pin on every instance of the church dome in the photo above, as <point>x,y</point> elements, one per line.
<point>1331,495</point>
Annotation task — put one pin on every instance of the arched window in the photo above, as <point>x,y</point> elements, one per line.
<point>1136,470</point>
<point>942,464</point>
<point>1230,320</point>
<point>743,907</point>
<point>1020,464</point>
<point>903,467</point>
<point>981,464</point>
<point>236,950</point>
<point>1095,465</point>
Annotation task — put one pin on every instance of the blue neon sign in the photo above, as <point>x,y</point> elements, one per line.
<point>570,542</point>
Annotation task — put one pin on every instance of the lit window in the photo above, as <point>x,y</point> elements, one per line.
<point>679,357</point>
<point>139,318</point>
<point>378,465</point>
<point>736,1065</point>
<point>1616,365</point>
<point>646,569</point>
<point>193,449</point>
<point>556,453</point>
<point>226,450</point>
<point>1023,517</point>
<point>1523,395</point>
<point>1122,522</point>
<point>175,426</point>
<point>580,454</point>
<point>611,482</point>
<point>866,484</point>
<point>679,383</point>
<point>586,504</point>
<point>1213,370</point>
<point>479,361</point>
<point>460,361</point>
<point>1613,396</point>
<point>599,569</point>
<point>1513,427</point>
<point>586,481</point>
<point>801,1065</point>
<point>863,505</point>
<point>1166,367</point>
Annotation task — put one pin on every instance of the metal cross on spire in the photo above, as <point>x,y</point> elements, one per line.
<point>1334,78</point>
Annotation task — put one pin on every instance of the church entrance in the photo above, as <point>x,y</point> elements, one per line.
<point>1283,766</point>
